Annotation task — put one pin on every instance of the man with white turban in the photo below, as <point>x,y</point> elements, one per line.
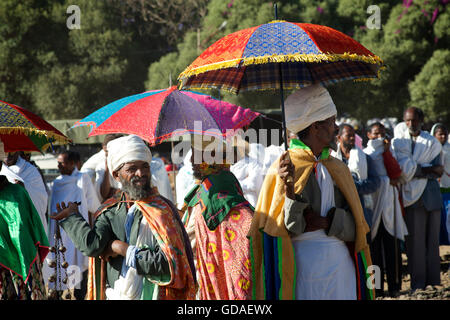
<point>139,234</point>
<point>308,233</point>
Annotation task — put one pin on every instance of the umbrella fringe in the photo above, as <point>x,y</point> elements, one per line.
<point>47,134</point>
<point>206,86</point>
<point>281,58</point>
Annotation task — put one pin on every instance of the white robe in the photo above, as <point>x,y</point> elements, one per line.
<point>160,178</point>
<point>91,164</point>
<point>426,149</point>
<point>385,199</point>
<point>100,175</point>
<point>357,164</point>
<point>185,180</point>
<point>445,179</point>
<point>325,270</point>
<point>73,188</point>
<point>250,173</point>
<point>34,185</point>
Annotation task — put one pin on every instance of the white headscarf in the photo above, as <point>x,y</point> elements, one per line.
<point>127,149</point>
<point>308,105</point>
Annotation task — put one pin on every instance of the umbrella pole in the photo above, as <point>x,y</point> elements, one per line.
<point>174,177</point>
<point>283,114</point>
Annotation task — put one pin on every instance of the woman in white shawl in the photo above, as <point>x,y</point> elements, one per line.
<point>388,225</point>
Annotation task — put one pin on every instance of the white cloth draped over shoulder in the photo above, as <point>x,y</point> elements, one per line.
<point>426,149</point>
<point>74,188</point>
<point>99,177</point>
<point>250,173</point>
<point>11,176</point>
<point>129,286</point>
<point>386,204</point>
<point>91,164</point>
<point>184,180</point>
<point>357,162</point>
<point>160,178</point>
<point>34,185</point>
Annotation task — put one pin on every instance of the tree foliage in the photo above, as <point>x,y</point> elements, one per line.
<point>412,41</point>
<point>127,46</point>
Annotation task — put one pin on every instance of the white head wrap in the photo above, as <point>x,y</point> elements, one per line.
<point>127,149</point>
<point>308,105</point>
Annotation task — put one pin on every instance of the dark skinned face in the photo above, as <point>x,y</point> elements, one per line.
<point>347,138</point>
<point>65,166</point>
<point>376,132</point>
<point>135,179</point>
<point>441,135</point>
<point>413,122</point>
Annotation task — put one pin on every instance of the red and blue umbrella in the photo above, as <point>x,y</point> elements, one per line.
<point>280,55</point>
<point>22,130</point>
<point>158,115</point>
<point>250,59</point>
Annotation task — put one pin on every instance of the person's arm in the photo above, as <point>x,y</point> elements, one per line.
<point>91,242</point>
<point>434,171</point>
<point>372,182</point>
<point>342,224</point>
<point>392,167</point>
<point>106,191</point>
<point>150,261</point>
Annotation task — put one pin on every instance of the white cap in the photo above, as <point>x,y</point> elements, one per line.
<point>126,149</point>
<point>308,105</point>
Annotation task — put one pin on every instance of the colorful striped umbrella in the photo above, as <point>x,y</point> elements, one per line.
<point>22,130</point>
<point>280,55</point>
<point>249,59</point>
<point>158,115</point>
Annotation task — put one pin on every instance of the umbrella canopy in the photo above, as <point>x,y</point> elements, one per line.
<point>158,115</point>
<point>22,130</point>
<point>249,59</point>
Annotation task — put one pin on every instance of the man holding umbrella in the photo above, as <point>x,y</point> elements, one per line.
<point>308,216</point>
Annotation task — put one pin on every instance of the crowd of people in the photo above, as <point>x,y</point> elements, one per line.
<point>310,222</point>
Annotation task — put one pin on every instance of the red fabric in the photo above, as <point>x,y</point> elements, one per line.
<point>329,40</point>
<point>392,167</point>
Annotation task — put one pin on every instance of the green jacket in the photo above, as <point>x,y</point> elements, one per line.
<point>109,226</point>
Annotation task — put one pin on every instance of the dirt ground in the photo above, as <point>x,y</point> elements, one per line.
<point>441,292</point>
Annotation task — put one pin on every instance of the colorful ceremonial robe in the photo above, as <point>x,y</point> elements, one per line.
<point>272,253</point>
<point>23,242</point>
<point>221,217</point>
<point>166,227</point>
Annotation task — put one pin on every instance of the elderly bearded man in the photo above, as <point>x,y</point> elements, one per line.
<point>141,236</point>
<point>308,234</point>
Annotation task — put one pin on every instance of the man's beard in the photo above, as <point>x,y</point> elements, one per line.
<point>136,192</point>
<point>348,145</point>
